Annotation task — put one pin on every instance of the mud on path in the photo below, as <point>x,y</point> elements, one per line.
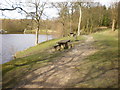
<point>67,70</point>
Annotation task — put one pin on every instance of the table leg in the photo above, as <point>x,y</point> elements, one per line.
<point>66,46</point>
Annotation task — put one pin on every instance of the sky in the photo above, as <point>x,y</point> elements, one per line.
<point>51,12</point>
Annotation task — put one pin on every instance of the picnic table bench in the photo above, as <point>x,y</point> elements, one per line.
<point>63,44</point>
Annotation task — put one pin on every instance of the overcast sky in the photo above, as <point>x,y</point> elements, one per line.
<point>51,12</point>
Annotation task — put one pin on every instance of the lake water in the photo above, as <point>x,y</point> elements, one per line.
<point>11,43</point>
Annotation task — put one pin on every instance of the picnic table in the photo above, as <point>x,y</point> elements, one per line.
<point>63,44</point>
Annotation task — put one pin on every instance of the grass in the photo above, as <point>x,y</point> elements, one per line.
<point>29,60</point>
<point>103,65</point>
<point>107,43</point>
<point>17,68</point>
<point>42,47</point>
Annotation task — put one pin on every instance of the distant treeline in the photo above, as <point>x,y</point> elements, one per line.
<point>94,16</point>
<point>19,25</point>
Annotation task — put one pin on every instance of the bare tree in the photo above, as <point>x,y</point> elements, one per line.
<point>63,10</point>
<point>37,8</point>
<point>114,13</point>
<point>119,15</point>
<point>79,20</point>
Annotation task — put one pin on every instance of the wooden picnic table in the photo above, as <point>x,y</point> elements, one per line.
<point>63,44</point>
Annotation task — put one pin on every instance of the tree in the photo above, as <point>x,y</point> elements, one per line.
<point>36,15</point>
<point>63,12</point>
<point>38,8</point>
<point>119,15</point>
<point>114,13</point>
<point>79,24</point>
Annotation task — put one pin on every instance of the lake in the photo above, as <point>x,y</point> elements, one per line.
<point>11,43</point>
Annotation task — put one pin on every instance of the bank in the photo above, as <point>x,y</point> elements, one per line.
<point>30,59</point>
<point>105,59</point>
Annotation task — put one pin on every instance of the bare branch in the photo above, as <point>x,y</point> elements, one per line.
<point>11,9</point>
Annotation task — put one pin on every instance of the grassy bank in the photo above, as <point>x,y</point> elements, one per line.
<point>29,60</point>
<point>102,66</point>
<point>47,45</point>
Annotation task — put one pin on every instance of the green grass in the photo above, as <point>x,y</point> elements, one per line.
<point>29,60</point>
<point>42,47</point>
<point>107,43</point>
<point>102,65</point>
<point>17,68</point>
<point>104,60</point>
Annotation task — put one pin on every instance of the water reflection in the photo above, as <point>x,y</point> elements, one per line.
<point>12,43</point>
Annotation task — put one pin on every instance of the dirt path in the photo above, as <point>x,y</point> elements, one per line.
<point>66,71</point>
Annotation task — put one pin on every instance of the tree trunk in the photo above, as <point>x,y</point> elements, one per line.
<point>79,21</point>
<point>63,29</point>
<point>113,25</point>
<point>47,32</point>
<point>37,35</point>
